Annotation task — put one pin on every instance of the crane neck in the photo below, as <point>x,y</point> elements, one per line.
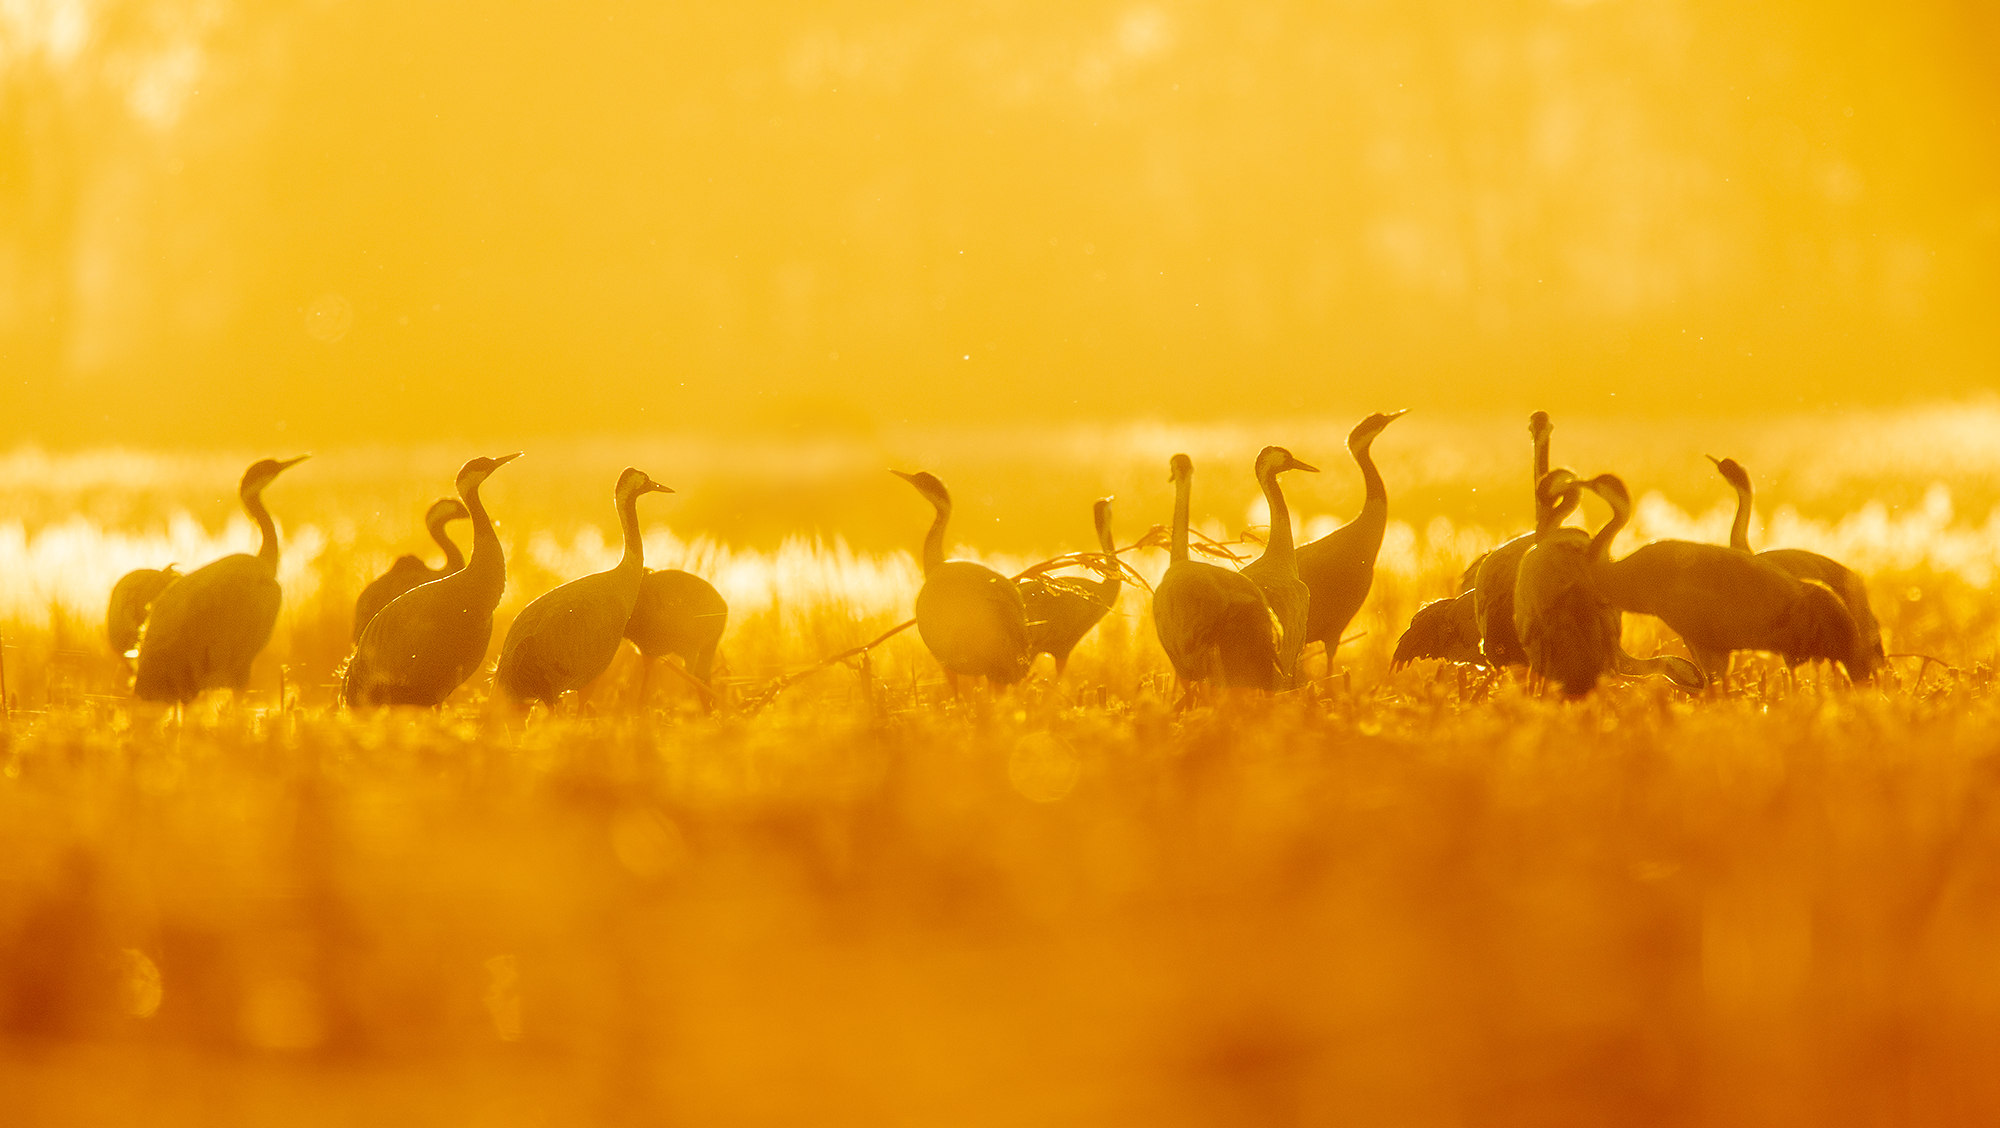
<point>453,558</point>
<point>634,559</point>
<point>934,539</point>
<point>1541,459</point>
<point>1109,585</point>
<point>488,559</point>
<point>267,549</point>
<point>1183,488</point>
<point>1375,493</point>
<point>1600,545</point>
<point>1280,546</point>
<point>1739,529</point>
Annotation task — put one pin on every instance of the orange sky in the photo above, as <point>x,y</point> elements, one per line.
<point>376,221</point>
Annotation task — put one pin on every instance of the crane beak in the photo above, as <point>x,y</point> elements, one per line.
<point>910,478</point>
<point>1392,416</point>
<point>291,462</point>
<point>506,458</point>
<point>655,487</point>
<point>1295,464</point>
<point>1712,458</point>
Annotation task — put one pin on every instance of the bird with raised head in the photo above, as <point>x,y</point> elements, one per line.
<point>1805,565</point>
<point>1214,623</point>
<point>1720,599</point>
<point>427,641</point>
<point>566,637</point>
<point>1493,575</point>
<point>1276,572</point>
<point>681,615</point>
<point>971,618</point>
<point>409,570</point>
<point>205,629</point>
<point>1339,567</point>
<point>131,598</point>
<point>1062,609</point>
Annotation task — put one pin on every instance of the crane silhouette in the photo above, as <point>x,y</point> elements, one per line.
<point>431,638</point>
<point>1339,567</point>
<point>1061,610</point>
<point>1444,629</point>
<point>131,598</point>
<point>1804,565</point>
<point>677,614</point>
<point>971,617</point>
<point>1566,627</point>
<point>566,637</point>
<point>1495,573</point>
<point>410,570</point>
<point>1213,623</point>
<point>1720,599</point>
<point>1276,572</point>
<point>206,628</point>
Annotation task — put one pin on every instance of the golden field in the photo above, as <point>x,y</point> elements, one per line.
<point>1385,900</point>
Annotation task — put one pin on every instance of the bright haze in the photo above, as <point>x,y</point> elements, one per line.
<point>375,221</point>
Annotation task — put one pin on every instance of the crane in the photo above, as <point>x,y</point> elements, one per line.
<point>566,637</point>
<point>428,640</point>
<point>680,614</point>
<point>131,597</point>
<point>1061,610</point>
<point>1213,623</point>
<point>1339,567</point>
<point>409,570</point>
<point>206,628</point>
<point>1720,599</point>
<point>1494,574</point>
<point>1276,572</point>
<point>971,618</point>
<point>1804,565</point>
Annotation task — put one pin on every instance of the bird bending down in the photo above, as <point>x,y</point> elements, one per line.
<point>1720,599</point>
<point>131,598</point>
<point>1444,629</point>
<point>206,628</point>
<point>677,613</point>
<point>1061,610</point>
<point>1566,628</point>
<point>1494,574</point>
<point>428,640</point>
<point>410,570</point>
<point>970,617</point>
<point>1276,572</point>
<point>1339,567</point>
<point>568,636</point>
<point>1213,623</point>
<point>1804,565</point>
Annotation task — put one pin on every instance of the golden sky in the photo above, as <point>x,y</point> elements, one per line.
<point>251,223</point>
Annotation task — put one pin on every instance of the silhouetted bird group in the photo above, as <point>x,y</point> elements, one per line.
<point>1551,600</point>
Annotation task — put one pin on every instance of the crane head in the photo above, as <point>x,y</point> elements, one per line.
<point>444,510</point>
<point>632,483</point>
<point>1539,427</point>
<point>1556,496</point>
<point>1100,519</point>
<point>928,485</point>
<point>1612,489</point>
<point>263,470</point>
<point>1273,460</point>
<point>1365,431</point>
<point>475,472</point>
<point>1180,468</point>
<point>1732,472</point>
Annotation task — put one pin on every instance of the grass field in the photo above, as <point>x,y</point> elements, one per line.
<point>1380,901</point>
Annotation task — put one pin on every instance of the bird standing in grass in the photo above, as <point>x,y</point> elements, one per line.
<point>1567,629</point>
<point>1494,574</point>
<point>1213,623</point>
<point>1276,572</point>
<point>206,628</point>
<point>679,614</point>
<point>1061,609</point>
<point>428,640</point>
<point>1339,567</point>
<point>971,617</point>
<point>1804,565</point>
<point>131,598</point>
<point>1720,599</point>
<point>1443,628</point>
<point>566,637</point>
<point>410,570</point>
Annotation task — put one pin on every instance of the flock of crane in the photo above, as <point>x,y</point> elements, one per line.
<point>1550,600</point>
